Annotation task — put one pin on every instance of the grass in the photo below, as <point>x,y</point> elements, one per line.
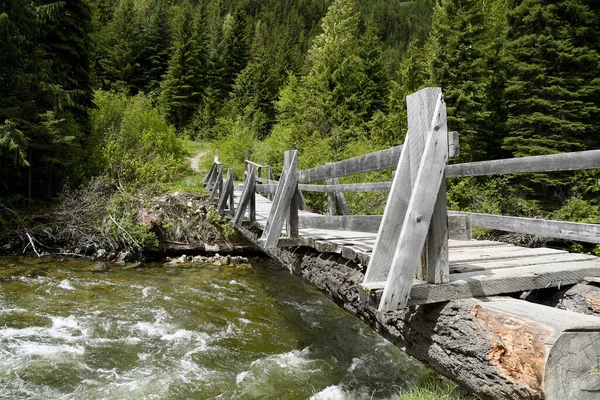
<point>187,180</point>
<point>438,389</point>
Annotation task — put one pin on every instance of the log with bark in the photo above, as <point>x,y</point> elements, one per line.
<point>497,348</point>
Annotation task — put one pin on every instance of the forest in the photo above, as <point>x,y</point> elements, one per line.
<point>105,89</point>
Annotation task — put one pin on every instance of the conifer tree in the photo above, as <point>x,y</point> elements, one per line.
<point>459,67</point>
<point>155,54</point>
<point>120,62</point>
<point>232,53</point>
<point>185,82</point>
<point>552,64</point>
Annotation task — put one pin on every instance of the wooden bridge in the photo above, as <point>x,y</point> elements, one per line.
<point>417,252</point>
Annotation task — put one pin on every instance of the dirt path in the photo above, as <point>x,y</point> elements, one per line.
<point>195,160</point>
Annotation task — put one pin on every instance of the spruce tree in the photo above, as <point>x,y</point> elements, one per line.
<point>552,63</point>
<point>459,66</point>
<point>185,83</point>
<point>120,61</point>
<point>154,58</point>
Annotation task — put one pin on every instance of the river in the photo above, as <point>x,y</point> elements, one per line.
<point>188,331</point>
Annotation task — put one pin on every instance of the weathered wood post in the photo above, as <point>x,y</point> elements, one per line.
<point>292,218</point>
<point>227,194</point>
<point>414,204</point>
<point>280,210</point>
<point>217,186</point>
<point>271,178</point>
<point>336,201</point>
<point>246,198</point>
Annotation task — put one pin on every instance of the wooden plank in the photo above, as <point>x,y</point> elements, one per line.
<point>382,159</point>
<point>457,244</point>
<point>497,281</point>
<point>230,189</point>
<point>579,160</point>
<point>292,219</point>
<point>422,109</point>
<point>281,205</point>
<point>245,199</point>
<point>209,175</point>
<point>540,227</point>
<point>391,223</point>
<point>227,194</point>
<point>360,223</point>
<point>483,265</point>
<point>217,186</point>
<point>348,187</point>
<point>418,214</point>
<point>500,253</point>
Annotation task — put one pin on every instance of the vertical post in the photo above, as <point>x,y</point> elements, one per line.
<point>421,107</point>
<point>252,210</point>
<point>271,178</point>
<point>288,184</point>
<point>227,193</point>
<point>292,219</point>
<point>209,175</point>
<point>230,189</point>
<point>421,207</point>
<point>217,187</point>
<point>331,203</point>
<point>245,199</point>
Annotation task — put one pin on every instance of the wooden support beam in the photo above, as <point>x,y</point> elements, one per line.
<point>292,219</point>
<point>209,175</point>
<point>459,227</point>
<point>217,186</point>
<point>547,163</point>
<point>231,189</point>
<point>348,187</point>
<point>420,209</point>
<point>490,282</point>
<point>246,198</point>
<point>281,204</point>
<point>540,227</point>
<point>336,201</point>
<point>393,217</point>
<point>382,159</point>
<point>453,144</point>
<point>271,177</point>
<point>227,194</point>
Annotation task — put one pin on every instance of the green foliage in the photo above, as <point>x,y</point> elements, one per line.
<point>234,145</point>
<point>13,144</point>
<point>134,142</point>
<point>185,83</point>
<point>459,66</point>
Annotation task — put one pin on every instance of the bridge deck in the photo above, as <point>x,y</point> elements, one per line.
<point>478,268</point>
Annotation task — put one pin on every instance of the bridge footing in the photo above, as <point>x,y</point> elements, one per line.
<point>498,347</point>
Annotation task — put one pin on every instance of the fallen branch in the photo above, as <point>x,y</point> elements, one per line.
<point>31,243</point>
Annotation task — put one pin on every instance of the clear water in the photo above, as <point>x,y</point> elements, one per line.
<point>184,332</point>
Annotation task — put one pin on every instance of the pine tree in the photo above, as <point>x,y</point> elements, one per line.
<point>552,60</point>
<point>120,62</point>
<point>154,60</point>
<point>459,66</point>
<point>232,53</point>
<point>185,83</point>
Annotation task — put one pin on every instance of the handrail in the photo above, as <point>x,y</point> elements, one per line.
<point>579,231</point>
<point>578,160</point>
<point>382,159</point>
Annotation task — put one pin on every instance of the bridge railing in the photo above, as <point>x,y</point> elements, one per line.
<point>412,234</point>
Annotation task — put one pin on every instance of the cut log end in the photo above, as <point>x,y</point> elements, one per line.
<point>573,367</point>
